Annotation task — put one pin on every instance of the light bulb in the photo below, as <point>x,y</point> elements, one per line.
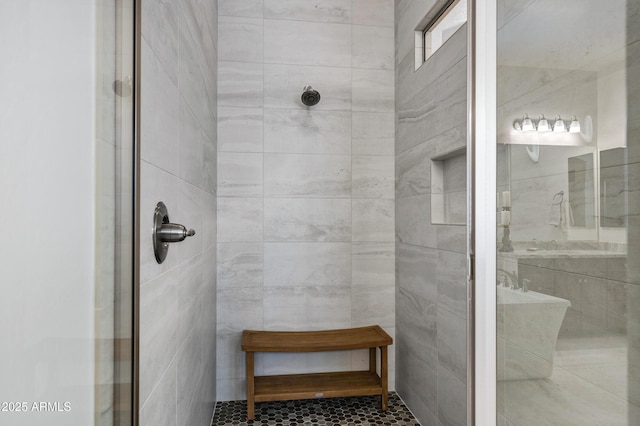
<point>527,124</point>
<point>559,126</point>
<point>574,127</point>
<point>543,124</point>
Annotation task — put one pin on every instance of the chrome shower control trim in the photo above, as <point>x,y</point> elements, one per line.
<point>165,232</point>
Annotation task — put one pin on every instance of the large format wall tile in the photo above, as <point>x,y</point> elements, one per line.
<point>435,109</point>
<point>296,175</point>
<point>307,132</point>
<point>159,329</point>
<point>240,84</point>
<point>373,264</point>
<point>159,114</point>
<point>417,271</point>
<point>240,174</point>
<point>372,47</point>
<point>452,398</point>
<point>248,8</point>
<point>194,74</point>
<point>307,264</point>
<point>307,308</point>
<point>240,129</point>
<point>409,79</point>
<point>209,220</point>
<point>239,308</point>
<point>310,362</point>
<point>307,43</point>
<point>162,403</point>
<point>416,350</point>
<point>240,39</point>
<point>372,133</point>
<point>452,343</point>
<point>191,140</point>
<point>189,211</point>
<point>372,305</point>
<point>160,34</point>
<point>284,85</point>
<point>209,163</point>
<point>413,171</point>
<point>230,361</point>
<point>413,221</point>
<point>188,355</point>
<point>326,11</point>
<point>240,264</point>
<point>305,219</point>
<point>373,177</point>
<point>373,90</point>
<point>240,219</point>
<point>373,220</point>
<point>373,12</point>
<point>452,282</point>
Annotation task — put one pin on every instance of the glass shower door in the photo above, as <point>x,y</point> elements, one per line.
<point>567,204</point>
<point>66,184</point>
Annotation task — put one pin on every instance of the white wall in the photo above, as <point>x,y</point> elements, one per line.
<point>47,191</point>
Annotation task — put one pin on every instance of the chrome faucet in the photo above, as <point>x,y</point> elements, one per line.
<point>512,276</point>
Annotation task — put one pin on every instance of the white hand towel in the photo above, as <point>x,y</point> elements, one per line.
<point>555,213</point>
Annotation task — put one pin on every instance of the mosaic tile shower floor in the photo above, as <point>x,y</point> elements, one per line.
<point>363,410</point>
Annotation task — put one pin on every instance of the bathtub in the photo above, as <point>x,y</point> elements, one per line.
<point>528,326</point>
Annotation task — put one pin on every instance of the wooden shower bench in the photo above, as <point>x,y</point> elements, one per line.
<point>316,385</point>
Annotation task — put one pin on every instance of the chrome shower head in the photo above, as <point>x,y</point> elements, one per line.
<point>310,97</point>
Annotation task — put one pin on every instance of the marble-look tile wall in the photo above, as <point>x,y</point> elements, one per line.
<point>431,289</point>
<point>305,195</point>
<point>178,143</point>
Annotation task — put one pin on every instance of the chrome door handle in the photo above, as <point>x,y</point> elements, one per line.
<point>165,232</point>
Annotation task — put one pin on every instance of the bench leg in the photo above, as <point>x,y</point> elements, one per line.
<point>372,360</point>
<point>383,378</point>
<point>250,387</point>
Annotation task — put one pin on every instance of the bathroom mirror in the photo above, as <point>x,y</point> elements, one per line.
<point>562,174</point>
<point>613,188</point>
<point>582,200</point>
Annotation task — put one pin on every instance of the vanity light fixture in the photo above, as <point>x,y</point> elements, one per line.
<point>544,126</point>
<point>559,126</point>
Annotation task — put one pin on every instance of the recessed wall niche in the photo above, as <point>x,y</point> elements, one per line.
<point>449,188</point>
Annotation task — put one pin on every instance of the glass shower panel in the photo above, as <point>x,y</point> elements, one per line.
<point>567,281</point>
<point>66,181</point>
<point>115,169</point>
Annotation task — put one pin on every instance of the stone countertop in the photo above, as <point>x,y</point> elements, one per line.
<point>553,254</point>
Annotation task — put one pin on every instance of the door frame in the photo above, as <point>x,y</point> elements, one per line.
<point>482,211</point>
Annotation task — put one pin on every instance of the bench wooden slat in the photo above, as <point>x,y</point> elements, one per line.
<point>315,341</point>
<point>317,385</point>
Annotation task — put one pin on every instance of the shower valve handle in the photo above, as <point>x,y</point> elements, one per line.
<point>165,232</point>
<point>173,232</point>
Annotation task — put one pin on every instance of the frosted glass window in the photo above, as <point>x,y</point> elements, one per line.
<point>448,21</point>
